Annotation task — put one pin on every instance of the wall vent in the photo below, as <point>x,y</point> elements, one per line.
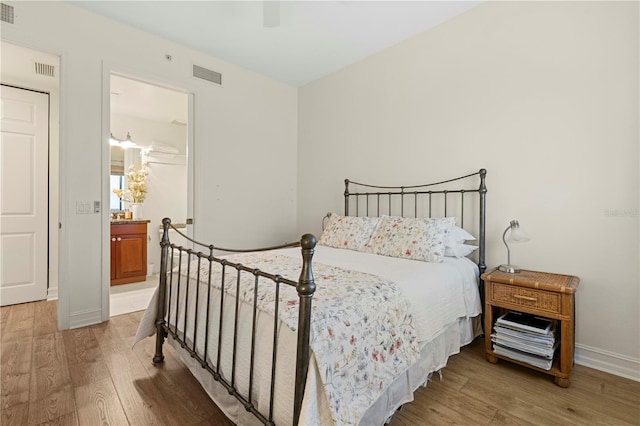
<point>45,69</point>
<point>6,13</point>
<point>207,74</point>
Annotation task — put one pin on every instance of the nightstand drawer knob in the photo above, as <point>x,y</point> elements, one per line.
<point>531,299</point>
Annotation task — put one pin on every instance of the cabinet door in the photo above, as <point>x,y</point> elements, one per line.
<point>131,256</point>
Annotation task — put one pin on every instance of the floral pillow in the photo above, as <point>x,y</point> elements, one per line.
<point>411,238</point>
<point>348,232</point>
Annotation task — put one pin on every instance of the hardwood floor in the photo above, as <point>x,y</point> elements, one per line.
<point>91,376</point>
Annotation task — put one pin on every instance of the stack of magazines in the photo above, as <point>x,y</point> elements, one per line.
<point>525,338</point>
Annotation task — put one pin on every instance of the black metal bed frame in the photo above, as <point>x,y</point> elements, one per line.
<point>305,287</point>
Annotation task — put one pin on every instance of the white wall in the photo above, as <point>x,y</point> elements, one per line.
<point>248,109</point>
<point>544,96</point>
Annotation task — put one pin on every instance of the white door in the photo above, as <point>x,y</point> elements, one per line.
<point>24,145</point>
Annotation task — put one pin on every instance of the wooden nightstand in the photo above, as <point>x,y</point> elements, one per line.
<point>538,293</point>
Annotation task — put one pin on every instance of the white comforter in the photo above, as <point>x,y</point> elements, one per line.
<point>440,294</point>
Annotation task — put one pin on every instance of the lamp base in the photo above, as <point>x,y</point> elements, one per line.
<point>510,269</point>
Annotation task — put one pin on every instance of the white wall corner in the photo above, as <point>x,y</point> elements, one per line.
<point>85,318</point>
<point>609,362</point>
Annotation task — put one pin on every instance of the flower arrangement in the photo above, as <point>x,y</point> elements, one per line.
<point>136,185</point>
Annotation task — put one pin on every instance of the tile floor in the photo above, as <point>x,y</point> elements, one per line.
<point>127,298</point>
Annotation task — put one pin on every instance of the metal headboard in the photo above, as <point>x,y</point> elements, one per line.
<point>432,199</point>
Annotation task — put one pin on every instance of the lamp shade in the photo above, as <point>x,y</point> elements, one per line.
<point>517,235</point>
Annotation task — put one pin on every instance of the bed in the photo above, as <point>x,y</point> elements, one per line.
<point>344,335</point>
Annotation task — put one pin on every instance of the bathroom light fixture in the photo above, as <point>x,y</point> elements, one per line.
<point>126,143</point>
<point>516,235</point>
<point>113,141</point>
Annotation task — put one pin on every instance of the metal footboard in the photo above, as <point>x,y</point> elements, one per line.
<point>166,310</point>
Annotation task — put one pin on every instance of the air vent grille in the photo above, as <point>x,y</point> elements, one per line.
<point>207,74</point>
<point>7,13</point>
<point>45,69</point>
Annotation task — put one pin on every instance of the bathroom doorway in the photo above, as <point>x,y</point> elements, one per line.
<point>149,180</point>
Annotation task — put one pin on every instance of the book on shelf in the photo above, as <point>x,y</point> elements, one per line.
<point>529,347</point>
<point>546,343</point>
<point>537,361</point>
<point>526,338</point>
<point>526,322</point>
<point>507,332</point>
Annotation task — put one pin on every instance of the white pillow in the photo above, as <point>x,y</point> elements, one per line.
<point>411,238</point>
<point>458,236</point>
<point>348,232</point>
<point>459,250</point>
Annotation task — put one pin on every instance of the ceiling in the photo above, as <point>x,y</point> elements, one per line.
<point>294,42</point>
<point>147,101</point>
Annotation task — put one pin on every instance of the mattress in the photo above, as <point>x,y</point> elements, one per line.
<point>443,300</point>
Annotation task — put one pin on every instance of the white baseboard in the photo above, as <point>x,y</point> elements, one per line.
<point>52,294</point>
<point>85,318</point>
<point>609,362</point>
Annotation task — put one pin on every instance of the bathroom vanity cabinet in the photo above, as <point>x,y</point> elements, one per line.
<point>128,251</point>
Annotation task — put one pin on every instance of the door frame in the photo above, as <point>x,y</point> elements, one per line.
<point>57,193</point>
<point>126,71</point>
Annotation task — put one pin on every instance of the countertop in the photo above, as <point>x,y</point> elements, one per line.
<point>128,221</point>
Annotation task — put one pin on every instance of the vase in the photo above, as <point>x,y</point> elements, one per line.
<point>136,209</point>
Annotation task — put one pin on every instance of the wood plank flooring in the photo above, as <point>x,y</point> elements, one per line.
<point>91,376</point>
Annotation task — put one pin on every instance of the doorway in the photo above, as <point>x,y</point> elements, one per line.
<point>30,175</point>
<point>148,181</point>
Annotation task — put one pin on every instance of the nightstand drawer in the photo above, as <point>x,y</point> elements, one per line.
<point>541,300</point>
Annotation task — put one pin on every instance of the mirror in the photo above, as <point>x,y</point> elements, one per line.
<point>117,160</point>
<point>117,173</point>
<point>121,160</point>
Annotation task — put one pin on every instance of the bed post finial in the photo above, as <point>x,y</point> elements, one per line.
<point>346,197</point>
<point>306,287</point>
<point>166,224</point>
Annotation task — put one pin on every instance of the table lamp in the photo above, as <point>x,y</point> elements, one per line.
<point>516,235</point>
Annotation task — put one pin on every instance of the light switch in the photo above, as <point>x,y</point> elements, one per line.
<point>96,206</point>
<point>83,207</point>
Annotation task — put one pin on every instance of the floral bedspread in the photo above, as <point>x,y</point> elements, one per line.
<point>362,333</point>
